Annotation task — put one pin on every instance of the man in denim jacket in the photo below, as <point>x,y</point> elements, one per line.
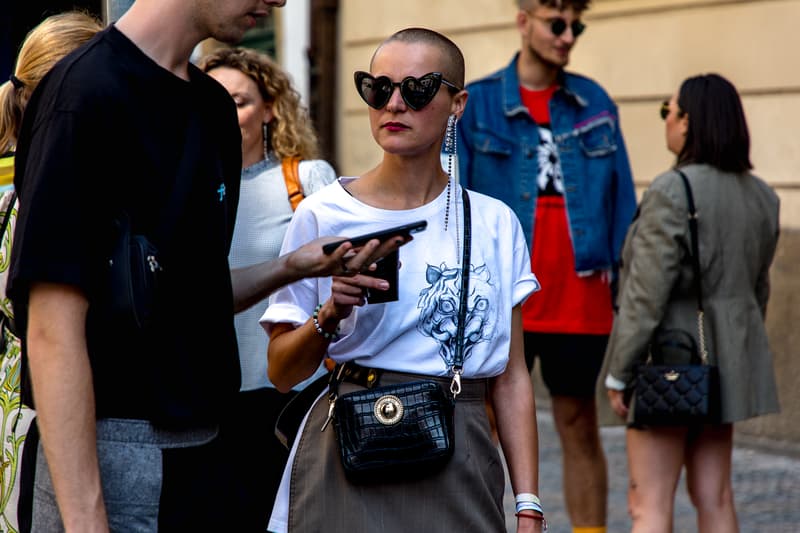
<point>548,143</point>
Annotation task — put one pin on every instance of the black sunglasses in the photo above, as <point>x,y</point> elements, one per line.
<point>664,111</point>
<point>559,25</point>
<point>416,92</point>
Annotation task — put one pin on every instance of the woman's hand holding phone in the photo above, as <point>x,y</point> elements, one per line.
<point>309,261</point>
<point>404,230</point>
<point>356,282</point>
<point>380,284</point>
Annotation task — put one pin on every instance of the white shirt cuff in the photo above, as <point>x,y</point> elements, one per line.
<point>614,384</point>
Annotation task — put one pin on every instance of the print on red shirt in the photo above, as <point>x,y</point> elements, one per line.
<point>568,302</point>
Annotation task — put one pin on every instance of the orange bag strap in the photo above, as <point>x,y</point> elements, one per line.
<point>291,175</point>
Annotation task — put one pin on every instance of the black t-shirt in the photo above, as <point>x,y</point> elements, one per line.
<point>104,133</point>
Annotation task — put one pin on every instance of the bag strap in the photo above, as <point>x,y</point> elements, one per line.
<point>291,175</point>
<point>7,216</point>
<point>458,358</point>
<point>6,321</point>
<point>337,375</point>
<point>695,263</point>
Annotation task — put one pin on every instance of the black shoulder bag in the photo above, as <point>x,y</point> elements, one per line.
<point>402,431</point>
<point>679,394</point>
<point>134,265</point>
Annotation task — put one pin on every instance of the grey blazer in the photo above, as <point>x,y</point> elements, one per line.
<point>738,231</point>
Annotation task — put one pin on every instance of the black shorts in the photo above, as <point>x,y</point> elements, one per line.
<point>569,363</point>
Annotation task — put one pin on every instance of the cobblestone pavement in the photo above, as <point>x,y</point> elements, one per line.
<point>766,487</point>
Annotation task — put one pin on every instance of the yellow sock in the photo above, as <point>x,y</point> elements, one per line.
<point>593,529</point>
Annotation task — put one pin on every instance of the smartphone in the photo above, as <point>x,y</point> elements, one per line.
<point>387,268</point>
<point>361,240</point>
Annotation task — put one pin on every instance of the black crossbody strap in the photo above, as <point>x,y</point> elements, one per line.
<point>694,237</point>
<point>7,321</point>
<point>458,360</point>
<point>695,244</point>
<point>7,216</point>
<point>458,356</point>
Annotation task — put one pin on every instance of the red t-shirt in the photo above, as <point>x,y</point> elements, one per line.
<point>567,303</point>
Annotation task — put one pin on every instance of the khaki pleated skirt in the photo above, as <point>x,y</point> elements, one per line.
<point>467,495</point>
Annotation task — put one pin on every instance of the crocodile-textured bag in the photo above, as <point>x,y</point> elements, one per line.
<point>686,393</point>
<point>394,432</point>
<point>402,431</point>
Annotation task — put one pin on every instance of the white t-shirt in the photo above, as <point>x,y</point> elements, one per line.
<point>261,220</point>
<point>416,333</point>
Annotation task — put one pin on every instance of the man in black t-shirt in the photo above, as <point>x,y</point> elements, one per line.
<point>105,133</point>
<point>129,416</point>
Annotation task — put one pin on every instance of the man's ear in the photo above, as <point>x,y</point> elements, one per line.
<point>522,22</point>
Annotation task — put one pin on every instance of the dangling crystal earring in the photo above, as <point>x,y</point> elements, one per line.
<point>265,134</point>
<point>450,150</point>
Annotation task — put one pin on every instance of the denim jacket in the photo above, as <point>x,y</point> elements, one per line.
<point>497,149</point>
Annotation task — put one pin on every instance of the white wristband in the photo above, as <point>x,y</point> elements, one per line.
<point>529,506</point>
<point>527,497</point>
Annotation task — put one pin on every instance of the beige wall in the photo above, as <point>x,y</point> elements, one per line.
<point>639,50</point>
<point>482,28</point>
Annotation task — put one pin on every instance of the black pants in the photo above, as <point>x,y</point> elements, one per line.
<point>255,457</point>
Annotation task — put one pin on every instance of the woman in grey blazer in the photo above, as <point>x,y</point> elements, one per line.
<point>738,232</point>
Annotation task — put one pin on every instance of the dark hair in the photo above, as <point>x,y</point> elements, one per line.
<point>717,133</point>
<point>578,5</point>
<point>453,59</point>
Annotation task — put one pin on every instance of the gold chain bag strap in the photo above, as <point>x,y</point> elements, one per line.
<point>679,394</point>
<point>402,431</point>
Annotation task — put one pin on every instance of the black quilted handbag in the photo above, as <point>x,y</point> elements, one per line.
<point>685,393</point>
<point>403,431</point>
<point>676,394</point>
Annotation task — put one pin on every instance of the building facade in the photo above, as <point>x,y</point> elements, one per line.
<point>640,51</point>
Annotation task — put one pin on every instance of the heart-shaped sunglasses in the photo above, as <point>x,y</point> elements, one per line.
<point>416,92</point>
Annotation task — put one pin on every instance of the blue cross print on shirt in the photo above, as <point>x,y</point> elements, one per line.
<point>221,192</point>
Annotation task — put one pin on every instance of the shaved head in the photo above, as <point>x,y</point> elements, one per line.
<point>577,5</point>
<point>453,60</point>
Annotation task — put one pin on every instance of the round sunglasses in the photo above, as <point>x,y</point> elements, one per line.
<point>559,25</point>
<point>416,92</point>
